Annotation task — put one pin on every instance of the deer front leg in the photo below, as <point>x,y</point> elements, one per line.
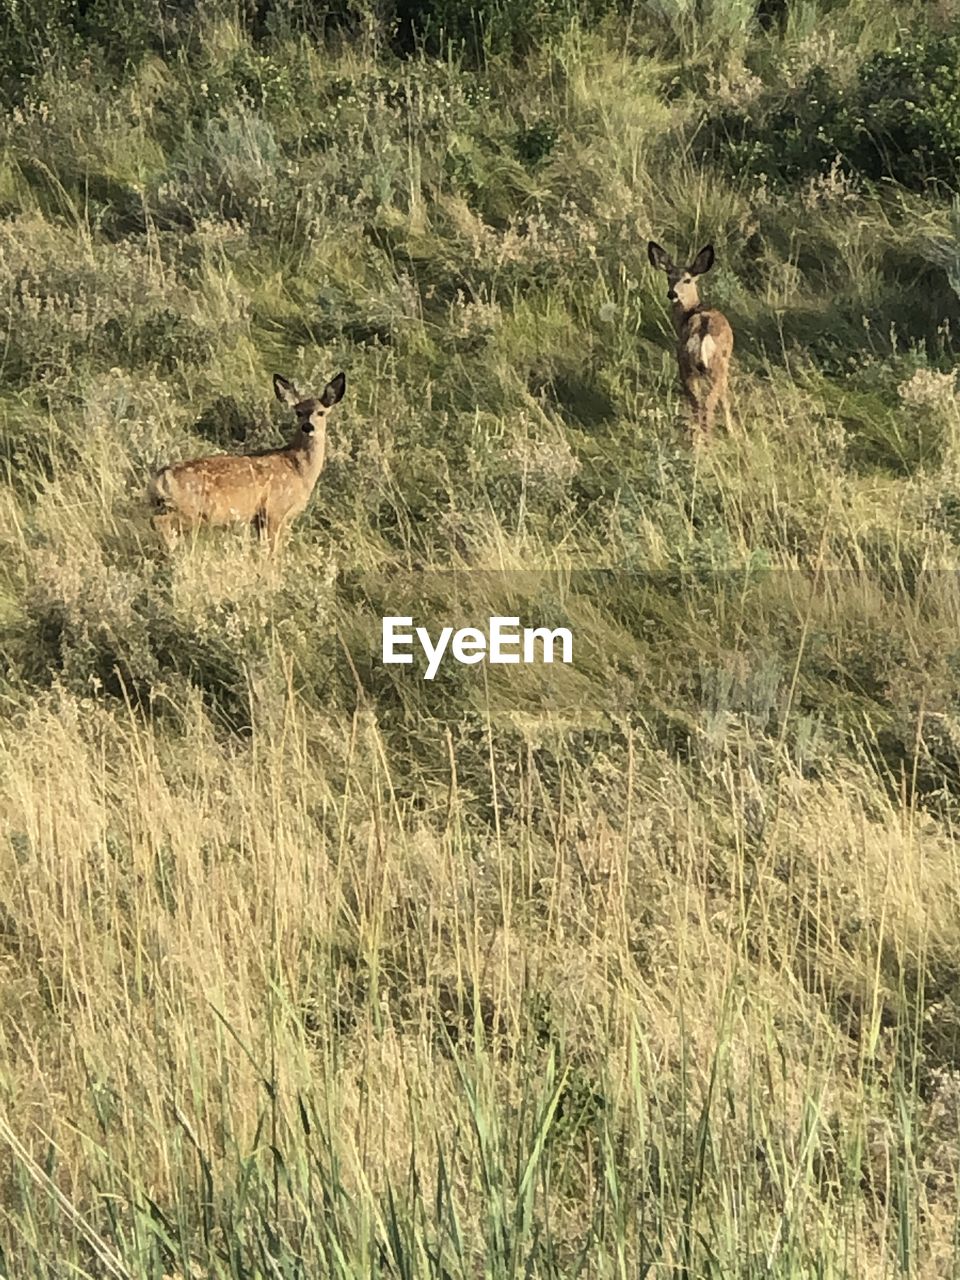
<point>269,530</point>
<point>168,528</point>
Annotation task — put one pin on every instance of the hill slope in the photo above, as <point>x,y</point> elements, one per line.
<point>311,966</point>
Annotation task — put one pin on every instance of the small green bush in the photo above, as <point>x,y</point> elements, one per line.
<point>899,120</point>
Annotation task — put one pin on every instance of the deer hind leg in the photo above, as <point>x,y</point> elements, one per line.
<point>717,393</point>
<point>692,399</point>
<point>725,401</point>
<point>706,416</point>
<point>701,414</point>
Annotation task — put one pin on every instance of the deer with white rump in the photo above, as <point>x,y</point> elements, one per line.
<point>267,490</point>
<point>704,336</point>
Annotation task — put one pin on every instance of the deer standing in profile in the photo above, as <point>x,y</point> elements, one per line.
<point>267,490</point>
<point>704,336</point>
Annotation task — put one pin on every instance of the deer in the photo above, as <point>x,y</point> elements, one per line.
<point>267,490</point>
<point>704,336</point>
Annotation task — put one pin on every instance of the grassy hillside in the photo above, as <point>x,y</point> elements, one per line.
<point>646,966</point>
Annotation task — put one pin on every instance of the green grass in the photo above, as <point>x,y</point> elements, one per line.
<point>644,967</point>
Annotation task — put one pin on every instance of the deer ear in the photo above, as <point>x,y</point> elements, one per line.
<point>658,256</point>
<point>703,261</point>
<point>285,391</point>
<point>333,391</point>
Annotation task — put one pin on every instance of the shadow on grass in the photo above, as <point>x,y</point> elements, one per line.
<point>574,393</point>
<point>114,207</point>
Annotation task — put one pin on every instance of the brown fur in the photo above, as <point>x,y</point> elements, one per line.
<point>267,490</point>
<point>704,337</point>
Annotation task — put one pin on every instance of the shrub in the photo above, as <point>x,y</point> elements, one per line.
<point>70,308</point>
<point>503,27</point>
<point>36,33</point>
<point>230,168</point>
<point>899,119</point>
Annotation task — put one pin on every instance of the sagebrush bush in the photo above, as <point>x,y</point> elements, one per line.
<point>73,306</point>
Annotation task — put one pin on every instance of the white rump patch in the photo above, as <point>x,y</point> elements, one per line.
<point>700,350</point>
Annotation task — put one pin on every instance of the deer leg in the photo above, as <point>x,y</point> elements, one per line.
<point>261,523</point>
<point>707,420</point>
<point>168,528</point>
<point>269,531</point>
<point>702,415</point>
<point>717,392</point>
<point>693,401</point>
<point>725,400</point>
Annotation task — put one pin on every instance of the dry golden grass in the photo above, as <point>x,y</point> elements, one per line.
<point>197,937</point>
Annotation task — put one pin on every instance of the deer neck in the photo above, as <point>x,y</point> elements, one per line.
<point>312,451</point>
<point>683,314</point>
